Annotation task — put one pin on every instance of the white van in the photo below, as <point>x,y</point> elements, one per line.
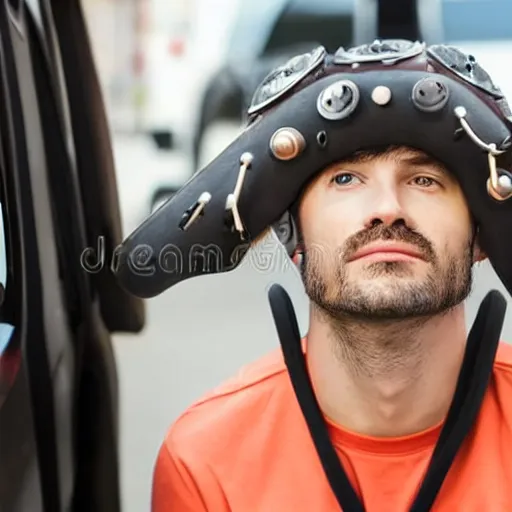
<point>183,40</point>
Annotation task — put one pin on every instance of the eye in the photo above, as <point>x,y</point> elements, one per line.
<point>425,181</point>
<point>344,178</point>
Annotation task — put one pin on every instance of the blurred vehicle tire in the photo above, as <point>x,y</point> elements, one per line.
<point>215,138</point>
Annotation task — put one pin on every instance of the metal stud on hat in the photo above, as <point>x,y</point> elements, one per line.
<point>338,100</point>
<point>287,143</point>
<point>381,95</point>
<point>499,183</point>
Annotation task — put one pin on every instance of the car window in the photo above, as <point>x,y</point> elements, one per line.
<point>252,27</point>
<point>326,22</point>
<point>476,20</point>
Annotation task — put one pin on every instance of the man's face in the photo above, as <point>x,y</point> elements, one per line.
<point>387,236</point>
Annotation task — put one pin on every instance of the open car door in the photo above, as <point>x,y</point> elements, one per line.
<point>59,302</point>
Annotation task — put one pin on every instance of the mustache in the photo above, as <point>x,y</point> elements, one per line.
<point>396,232</point>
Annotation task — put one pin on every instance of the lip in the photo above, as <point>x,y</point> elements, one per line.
<point>388,251</point>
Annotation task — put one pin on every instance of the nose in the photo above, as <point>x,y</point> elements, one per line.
<point>385,208</point>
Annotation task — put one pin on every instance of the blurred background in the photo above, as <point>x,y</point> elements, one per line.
<point>177,77</point>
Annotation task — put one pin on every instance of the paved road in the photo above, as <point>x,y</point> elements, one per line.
<point>198,333</point>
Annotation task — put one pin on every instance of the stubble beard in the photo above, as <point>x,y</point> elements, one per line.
<point>387,290</point>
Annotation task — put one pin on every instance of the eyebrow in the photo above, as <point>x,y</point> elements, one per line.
<point>413,160</point>
<point>422,160</point>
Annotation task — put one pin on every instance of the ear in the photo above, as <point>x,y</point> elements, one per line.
<point>298,256</point>
<point>478,253</point>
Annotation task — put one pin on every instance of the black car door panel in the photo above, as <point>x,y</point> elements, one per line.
<point>58,382</point>
<point>42,312</point>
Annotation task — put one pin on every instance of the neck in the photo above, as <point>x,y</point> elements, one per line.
<point>386,378</point>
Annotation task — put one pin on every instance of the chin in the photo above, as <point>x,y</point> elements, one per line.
<point>391,287</point>
<point>381,278</point>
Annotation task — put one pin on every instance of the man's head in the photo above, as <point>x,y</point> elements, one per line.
<point>387,235</point>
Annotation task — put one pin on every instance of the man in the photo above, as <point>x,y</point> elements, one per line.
<point>388,235</point>
<point>388,247</point>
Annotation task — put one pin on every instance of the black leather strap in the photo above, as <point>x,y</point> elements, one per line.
<point>483,342</point>
<point>289,336</point>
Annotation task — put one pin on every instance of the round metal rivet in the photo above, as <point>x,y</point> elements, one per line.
<point>430,95</point>
<point>504,187</point>
<point>381,95</point>
<point>338,100</point>
<point>287,143</point>
<point>246,158</point>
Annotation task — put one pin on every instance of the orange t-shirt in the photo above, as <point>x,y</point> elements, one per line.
<point>245,447</point>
